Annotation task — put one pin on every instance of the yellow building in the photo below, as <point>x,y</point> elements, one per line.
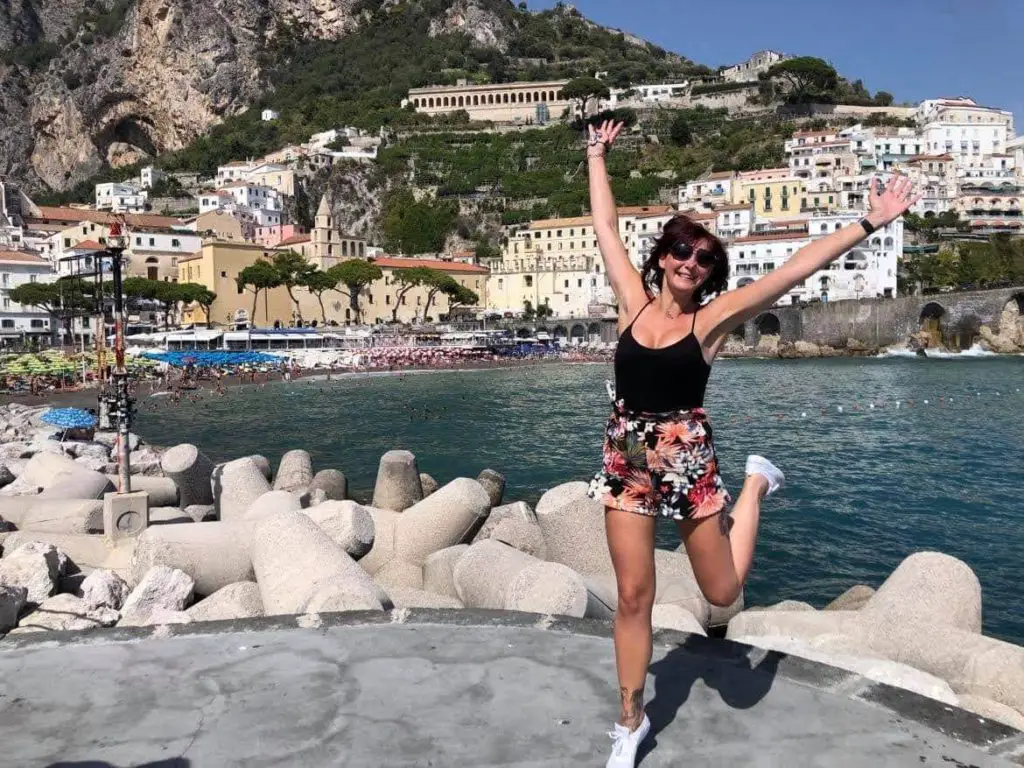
<point>274,175</point>
<point>326,245</point>
<point>771,192</point>
<point>516,102</point>
<point>218,265</point>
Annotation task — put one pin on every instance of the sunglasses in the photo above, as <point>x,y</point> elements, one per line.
<point>682,252</point>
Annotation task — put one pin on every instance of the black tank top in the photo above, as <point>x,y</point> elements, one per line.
<point>669,378</point>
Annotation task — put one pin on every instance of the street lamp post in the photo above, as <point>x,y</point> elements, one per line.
<point>116,244</point>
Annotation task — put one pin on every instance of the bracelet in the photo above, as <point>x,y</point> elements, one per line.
<point>868,226</point>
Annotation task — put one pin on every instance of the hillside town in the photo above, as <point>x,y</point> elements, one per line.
<point>963,156</point>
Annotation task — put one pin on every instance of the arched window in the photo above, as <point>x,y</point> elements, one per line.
<point>362,250</point>
<point>461,104</point>
<point>536,96</point>
<point>490,98</point>
<point>551,95</point>
<point>446,101</point>
<point>529,97</point>
<point>430,103</point>
<point>344,247</point>
<point>476,100</point>
<point>888,242</point>
<point>504,97</point>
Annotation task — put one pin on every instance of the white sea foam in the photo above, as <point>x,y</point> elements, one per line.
<point>975,351</point>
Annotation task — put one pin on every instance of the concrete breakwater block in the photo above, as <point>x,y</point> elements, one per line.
<point>61,478</point>
<point>350,525</point>
<point>300,569</point>
<point>295,471</point>
<point>573,528</point>
<point>524,536</point>
<point>34,513</point>
<point>398,484</point>
<point>676,583</point>
<point>484,572</point>
<point>385,521</point>
<point>168,516</point>
<point>399,573</point>
<point>162,490</point>
<point>12,601</point>
<point>263,464</point>
<point>671,616</point>
<point>403,597</point>
<point>236,485</point>
<point>190,470</point>
<point>83,550</point>
<point>428,484</point>
<point>549,588</point>
<point>332,483</point>
<point>855,598</point>
<point>517,510</point>
<point>274,502</point>
<point>213,554</point>
<point>494,483</point>
<point>438,570</point>
<point>929,588</point>
<point>450,515</point>
<point>235,601</point>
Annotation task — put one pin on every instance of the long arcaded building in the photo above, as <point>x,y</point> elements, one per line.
<point>497,102</point>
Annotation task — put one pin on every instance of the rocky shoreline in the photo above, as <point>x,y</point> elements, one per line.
<point>240,540</point>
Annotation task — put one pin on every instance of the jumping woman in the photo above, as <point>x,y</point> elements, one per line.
<point>659,459</point>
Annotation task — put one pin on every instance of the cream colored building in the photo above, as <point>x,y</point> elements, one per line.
<point>772,192</point>
<point>273,175</point>
<point>218,265</point>
<point>497,102</point>
<point>325,246</point>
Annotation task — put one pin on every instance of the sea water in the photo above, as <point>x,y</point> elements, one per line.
<point>883,456</point>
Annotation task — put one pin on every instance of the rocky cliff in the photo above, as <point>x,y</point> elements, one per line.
<point>135,78</point>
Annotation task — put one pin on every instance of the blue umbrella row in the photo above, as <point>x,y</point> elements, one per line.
<point>212,359</point>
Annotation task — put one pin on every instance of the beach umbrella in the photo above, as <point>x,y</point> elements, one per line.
<point>68,418</point>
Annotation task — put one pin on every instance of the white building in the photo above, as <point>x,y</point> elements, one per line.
<point>749,70</point>
<point>267,115</point>
<point>962,128</point>
<point>654,93</point>
<point>19,323</point>
<point>734,220</point>
<point>867,271</point>
<point>263,203</point>
<point>709,190</point>
<point>149,176</point>
<point>233,172</point>
<point>120,197</point>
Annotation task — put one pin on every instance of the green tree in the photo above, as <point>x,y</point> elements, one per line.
<point>260,276</point>
<point>484,251</point>
<point>528,311</point>
<point>680,132</point>
<point>884,99</point>
<point>405,280</point>
<point>808,77</point>
<point>459,296</point>
<point>355,275</point>
<point>168,295</point>
<point>582,89</point>
<point>195,293</point>
<point>544,310</point>
<point>318,282</point>
<point>292,270</point>
<point>435,282</point>
<point>63,299</point>
<point>413,226</point>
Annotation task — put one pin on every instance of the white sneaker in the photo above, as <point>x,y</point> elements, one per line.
<point>626,743</point>
<point>759,465</point>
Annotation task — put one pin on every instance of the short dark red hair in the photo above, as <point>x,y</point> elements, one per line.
<point>682,229</point>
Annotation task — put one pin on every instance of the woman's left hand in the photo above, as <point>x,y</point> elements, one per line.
<point>889,205</point>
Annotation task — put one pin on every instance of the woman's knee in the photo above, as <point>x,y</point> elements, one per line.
<point>636,598</point>
<point>721,595</point>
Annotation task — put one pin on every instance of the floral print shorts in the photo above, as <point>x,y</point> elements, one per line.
<point>660,463</point>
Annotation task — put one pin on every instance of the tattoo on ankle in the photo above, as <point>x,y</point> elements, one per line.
<point>632,706</point>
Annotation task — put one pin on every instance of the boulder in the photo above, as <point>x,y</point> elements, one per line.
<point>350,525</point>
<point>274,502</point>
<point>484,572</point>
<point>670,616</point>
<point>161,587</point>
<point>399,573</point>
<point>517,510</point>
<point>404,597</point>
<point>213,554</point>
<point>12,600</point>
<point>162,490</point>
<point>96,451</point>
<point>438,570</point>
<point>300,569</point>
<point>36,566</point>
<point>494,483</point>
<point>161,616</point>
<point>929,588</point>
<point>428,484</point>
<point>62,613</point>
<point>524,536</point>
<point>853,599</point>
<point>398,482</point>
<point>382,552</point>
<point>332,483</point>
<point>104,589</point>
<point>6,475</point>
<point>95,465</point>
<point>190,470</point>
<point>295,471</point>
<point>450,515</point>
<point>36,513</point>
<point>109,439</point>
<point>880,670</point>
<point>145,461</point>
<point>83,550</point>
<point>549,588</point>
<point>236,485</point>
<point>235,601</point>
<point>573,528</point>
<point>201,513</point>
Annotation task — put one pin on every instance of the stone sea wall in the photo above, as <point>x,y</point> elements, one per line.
<point>242,539</point>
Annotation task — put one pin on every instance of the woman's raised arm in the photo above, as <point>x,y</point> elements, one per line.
<point>624,277</point>
<point>735,307</point>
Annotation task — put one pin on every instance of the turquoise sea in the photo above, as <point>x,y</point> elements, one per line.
<point>943,469</point>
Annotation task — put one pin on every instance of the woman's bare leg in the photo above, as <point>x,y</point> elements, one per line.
<point>721,554</point>
<point>631,544</point>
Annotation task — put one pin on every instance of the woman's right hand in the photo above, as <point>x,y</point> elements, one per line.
<point>602,137</point>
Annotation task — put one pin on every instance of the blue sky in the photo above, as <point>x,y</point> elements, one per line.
<point>915,49</point>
